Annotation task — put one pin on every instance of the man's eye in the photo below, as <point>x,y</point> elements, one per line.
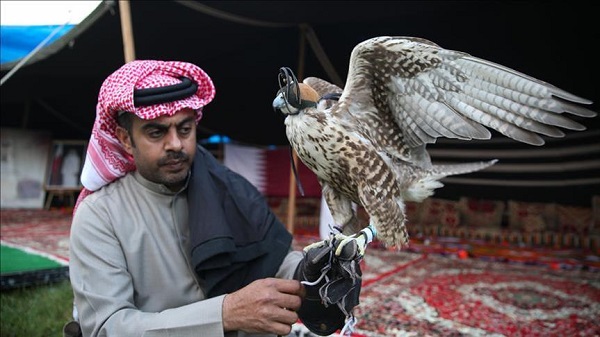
<point>185,130</point>
<point>155,134</point>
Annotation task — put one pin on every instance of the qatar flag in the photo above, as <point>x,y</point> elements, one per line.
<point>269,170</point>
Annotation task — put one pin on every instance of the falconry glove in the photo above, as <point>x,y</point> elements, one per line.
<point>332,277</point>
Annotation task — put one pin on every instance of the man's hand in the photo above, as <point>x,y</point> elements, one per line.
<point>264,306</point>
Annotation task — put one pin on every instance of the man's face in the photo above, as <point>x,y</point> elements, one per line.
<point>163,148</point>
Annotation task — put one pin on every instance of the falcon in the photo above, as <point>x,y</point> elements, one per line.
<point>366,143</point>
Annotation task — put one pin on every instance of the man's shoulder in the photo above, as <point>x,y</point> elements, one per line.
<point>108,194</point>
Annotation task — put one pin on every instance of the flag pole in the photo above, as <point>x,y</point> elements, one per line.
<point>127,30</point>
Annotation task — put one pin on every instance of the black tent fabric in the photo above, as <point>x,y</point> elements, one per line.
<point>242,44</point>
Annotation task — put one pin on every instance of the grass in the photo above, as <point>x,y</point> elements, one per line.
<point>39,311</point>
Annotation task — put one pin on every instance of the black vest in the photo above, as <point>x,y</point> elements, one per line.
<point>235,237</point>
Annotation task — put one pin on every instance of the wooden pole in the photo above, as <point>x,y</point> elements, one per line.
<point>291,211</point>
<point>127,30</point>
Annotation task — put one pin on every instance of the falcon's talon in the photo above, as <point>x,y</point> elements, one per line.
<point>343,243</point>
<point>362,239</point>
<point>315,245</point>
<point>362,246</point>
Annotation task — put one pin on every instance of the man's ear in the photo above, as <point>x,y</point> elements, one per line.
<point>124,138</point>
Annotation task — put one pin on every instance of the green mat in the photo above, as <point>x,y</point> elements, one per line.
<point>16,260</point>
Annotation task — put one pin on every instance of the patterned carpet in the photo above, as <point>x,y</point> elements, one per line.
<point>418,292</point>
<point>433,295</point>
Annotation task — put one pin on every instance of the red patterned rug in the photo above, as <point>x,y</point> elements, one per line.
<point>433,295</point>
<point>421,294</point>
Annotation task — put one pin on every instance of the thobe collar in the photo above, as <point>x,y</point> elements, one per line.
<point>156,187</point>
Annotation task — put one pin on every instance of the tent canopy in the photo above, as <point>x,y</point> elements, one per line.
<point>242,49</point>
<point>242,45</point>
<point>33,30</point>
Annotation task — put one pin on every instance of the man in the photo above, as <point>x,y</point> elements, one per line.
<point>165,241</point>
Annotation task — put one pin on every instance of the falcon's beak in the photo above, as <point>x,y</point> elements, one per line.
<point>279,103</point>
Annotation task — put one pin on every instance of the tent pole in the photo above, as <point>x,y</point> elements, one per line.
<point>291,212</point>
<point>127,30</point>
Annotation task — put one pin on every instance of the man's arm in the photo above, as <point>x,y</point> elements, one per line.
<point>105,294</point>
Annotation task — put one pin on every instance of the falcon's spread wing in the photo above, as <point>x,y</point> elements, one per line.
<point>422,91</point>
<point>401,94</point>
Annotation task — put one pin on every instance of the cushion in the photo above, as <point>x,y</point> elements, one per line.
<point>481,213</point>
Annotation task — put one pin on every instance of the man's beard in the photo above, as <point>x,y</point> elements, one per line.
<point>173,180</point>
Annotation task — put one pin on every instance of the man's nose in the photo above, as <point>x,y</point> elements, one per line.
<point>172,141</point>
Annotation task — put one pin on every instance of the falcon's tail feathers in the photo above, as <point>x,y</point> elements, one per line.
<point>424,187</point>
<point>442,171</point>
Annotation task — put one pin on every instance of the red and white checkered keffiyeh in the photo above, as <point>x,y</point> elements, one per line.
<point>106,159</point>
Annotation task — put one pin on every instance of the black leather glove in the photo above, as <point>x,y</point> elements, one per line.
<point>332,283</point>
